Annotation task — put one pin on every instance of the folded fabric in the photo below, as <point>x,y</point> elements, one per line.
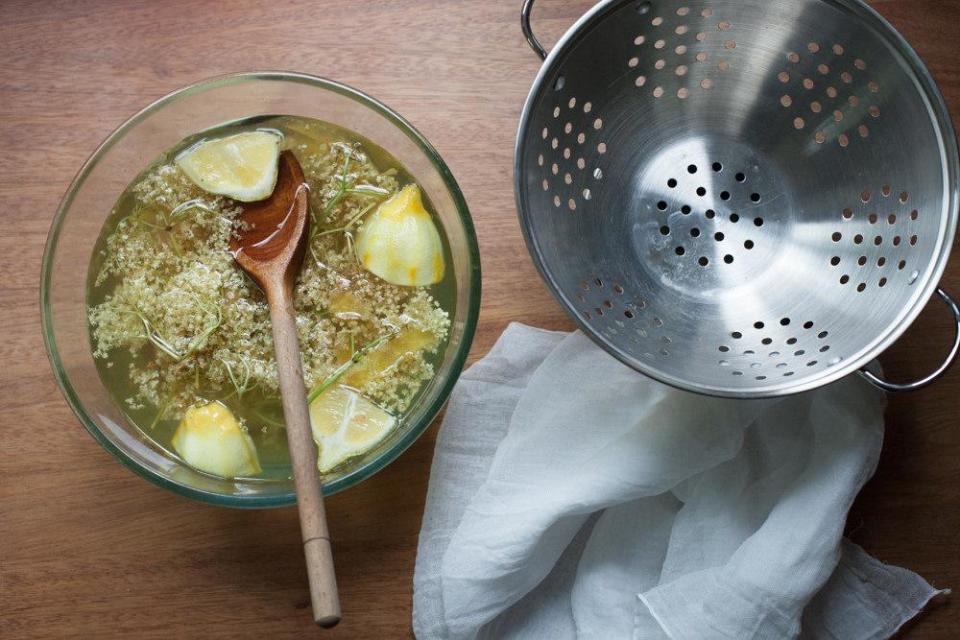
<point>571,497</point>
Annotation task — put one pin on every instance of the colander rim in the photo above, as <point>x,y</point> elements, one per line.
<point>931,275</point>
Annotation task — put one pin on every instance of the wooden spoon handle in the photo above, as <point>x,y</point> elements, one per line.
<point>303,459</point>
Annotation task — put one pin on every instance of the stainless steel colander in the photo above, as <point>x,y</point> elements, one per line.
<point>744,198</point>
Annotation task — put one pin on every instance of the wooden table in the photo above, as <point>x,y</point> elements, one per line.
<point>89,550</point>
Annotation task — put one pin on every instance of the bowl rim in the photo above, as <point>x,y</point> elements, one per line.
<point>361,473</point>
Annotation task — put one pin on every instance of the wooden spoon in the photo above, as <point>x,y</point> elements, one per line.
<point>270,247</point>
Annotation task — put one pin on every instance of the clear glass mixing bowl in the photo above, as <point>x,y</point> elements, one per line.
<point>138,142</point>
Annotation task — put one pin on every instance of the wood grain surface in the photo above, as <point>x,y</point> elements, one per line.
<point>88,550</point>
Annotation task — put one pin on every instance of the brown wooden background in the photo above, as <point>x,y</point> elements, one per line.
<point>90,551</point>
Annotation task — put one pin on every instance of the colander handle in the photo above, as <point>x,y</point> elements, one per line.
<point>919,384</point>
<point>528,32</point>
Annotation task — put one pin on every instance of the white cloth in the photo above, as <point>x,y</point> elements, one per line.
<point>571,497</point>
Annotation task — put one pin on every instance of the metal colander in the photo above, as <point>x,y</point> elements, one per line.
<point>743,198</point>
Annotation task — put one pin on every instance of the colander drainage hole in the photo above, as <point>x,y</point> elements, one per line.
<point>748,244</point>
<point>741,177</point>
<point>665,230</point>
<point>703,261</point>
<point>728,259</point>
<point>717,167</point>
<point>680,251</point>
<point>672,183</point>
<point>695,232</point>
<point>734,218</point>
<point>724,195</point>
<point>711,214</point>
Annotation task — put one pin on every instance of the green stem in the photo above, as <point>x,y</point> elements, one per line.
<point>368,190</point>
<point>158,340</point>
<point>357,216</point>
<point>268,420</point>
<point>177,250</point>
<point>198,341</point>
<point>134,220</point>
<point>161,413</point>
<point>182,208</point>
<point>342,186</point>
<point>239,388</point>
<point>333,202</point>
<point>164,345</point>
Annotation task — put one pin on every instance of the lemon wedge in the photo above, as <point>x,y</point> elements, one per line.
<point>408,341</point>
<point>400,243</point>
<point>242,166</point>
<point>345,425</point>
<point>210,439</point>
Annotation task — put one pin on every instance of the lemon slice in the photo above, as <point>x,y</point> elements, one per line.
<point>209,438</point>
<point>400,243</point>
<point>345,425</point>
<point>242,166</point>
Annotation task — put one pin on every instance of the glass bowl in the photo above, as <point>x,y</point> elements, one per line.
<point>138,142</point>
